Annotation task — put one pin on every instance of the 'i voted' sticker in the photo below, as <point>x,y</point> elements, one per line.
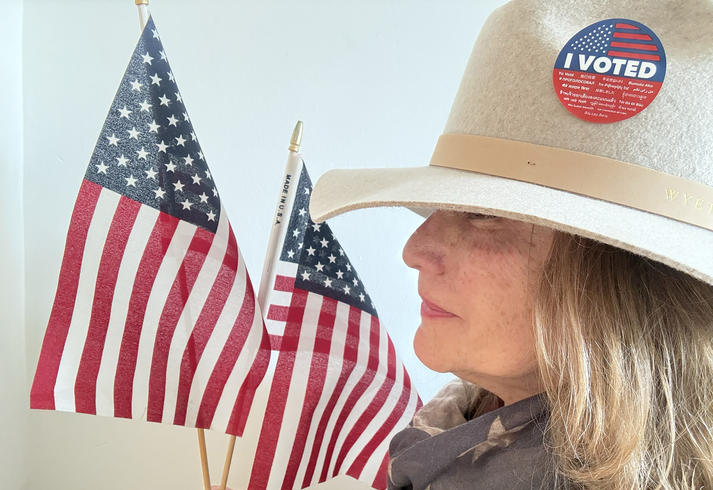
<point>610,71</point>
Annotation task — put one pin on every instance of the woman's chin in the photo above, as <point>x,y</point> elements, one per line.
<point>429,352</point>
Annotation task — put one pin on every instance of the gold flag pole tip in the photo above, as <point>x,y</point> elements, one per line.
<point>296,139</point>
<point>141,2</point>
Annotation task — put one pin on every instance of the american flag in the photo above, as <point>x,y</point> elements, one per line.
<point>154,316</point>
<point>618,38</point>
<point>339,392</point>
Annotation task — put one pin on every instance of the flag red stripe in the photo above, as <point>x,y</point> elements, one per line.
<point>637,56</point>
<point>349,360</point>
<point>232,349</point>
<point>396,413</point>
<point>275,342</point>
<point>42,393</point>
<point>284,283</point>
<point>626,26</point>
<point>359,390</point>
<point>372,410</point>
<point>172,310</point>
<point>381,479</point>
<point>278,313</point>
<point>317,375</point>
<point>386,429</point>
<point>85,388</point>
<point>645,47</point>
<point>241,409</point>
<point>204,327</point>
<point>277,399</point>
<point>149,266</point>
<point>629,35</point>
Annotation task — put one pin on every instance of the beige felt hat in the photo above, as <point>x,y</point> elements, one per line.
<point>591,117</point>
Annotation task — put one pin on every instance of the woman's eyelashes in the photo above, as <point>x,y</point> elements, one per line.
<point>479,216</point>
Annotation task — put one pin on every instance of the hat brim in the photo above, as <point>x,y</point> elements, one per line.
<point>680,245</point>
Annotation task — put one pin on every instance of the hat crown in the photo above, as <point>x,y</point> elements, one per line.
<point>507,90</point>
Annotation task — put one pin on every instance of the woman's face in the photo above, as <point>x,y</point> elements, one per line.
<point>477,278</point>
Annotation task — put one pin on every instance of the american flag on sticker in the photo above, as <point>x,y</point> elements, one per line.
<point>618,38</point>
<point>154,316</point>
<point>338,392</point>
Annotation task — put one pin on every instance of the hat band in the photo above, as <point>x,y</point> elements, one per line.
<point>581,173</point>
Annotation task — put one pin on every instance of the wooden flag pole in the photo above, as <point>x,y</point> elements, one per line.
<point>204,459</point>
<point>295,142</point>
<point>143,6</point>
<point>228,460</point>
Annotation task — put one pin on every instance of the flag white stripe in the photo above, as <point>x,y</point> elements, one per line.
<point>359,371</point>
<point>363,403</point>
<point>376,459</point>
<point>374,463</point>
<point>298,387</point>
<point>336,351</point>
<point>372,466</point>
<point>130,260</point>
<point>81,315</point>
<point>215,344</point>
<point>279,298</point>
<point>191,311</point>
<point>157,299</point>
<point>354,377</point>
<point>238,375</point>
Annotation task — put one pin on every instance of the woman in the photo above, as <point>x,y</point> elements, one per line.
<point>566,265</point>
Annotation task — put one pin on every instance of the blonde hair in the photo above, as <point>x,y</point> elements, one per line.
<point>625,350</point>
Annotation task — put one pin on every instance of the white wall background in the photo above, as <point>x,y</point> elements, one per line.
<point>372,80</point>
<point>14,442</point>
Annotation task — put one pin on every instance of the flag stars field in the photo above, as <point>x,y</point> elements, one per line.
<point>148,145</point>
<point>322,262</point>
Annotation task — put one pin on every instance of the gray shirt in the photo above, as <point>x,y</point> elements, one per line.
<point>441,449</point>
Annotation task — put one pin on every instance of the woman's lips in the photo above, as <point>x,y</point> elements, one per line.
<point>430,310</point>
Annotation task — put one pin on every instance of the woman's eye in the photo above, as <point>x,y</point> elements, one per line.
<point>478,216</point>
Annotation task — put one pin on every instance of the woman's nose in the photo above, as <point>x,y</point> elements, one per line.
<point>424,250</point>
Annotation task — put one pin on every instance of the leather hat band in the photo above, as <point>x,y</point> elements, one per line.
<point>581,173</point>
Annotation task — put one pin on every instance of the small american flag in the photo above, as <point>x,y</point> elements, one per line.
<point>154,316</point>
<point>339,392</point>
<point>618,38</point>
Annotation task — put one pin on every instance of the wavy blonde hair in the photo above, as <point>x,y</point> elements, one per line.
<point>625,349</point>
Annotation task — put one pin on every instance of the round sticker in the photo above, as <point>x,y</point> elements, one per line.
<point>610,71</point>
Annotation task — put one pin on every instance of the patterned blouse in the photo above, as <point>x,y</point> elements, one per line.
<point>442,450</point>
